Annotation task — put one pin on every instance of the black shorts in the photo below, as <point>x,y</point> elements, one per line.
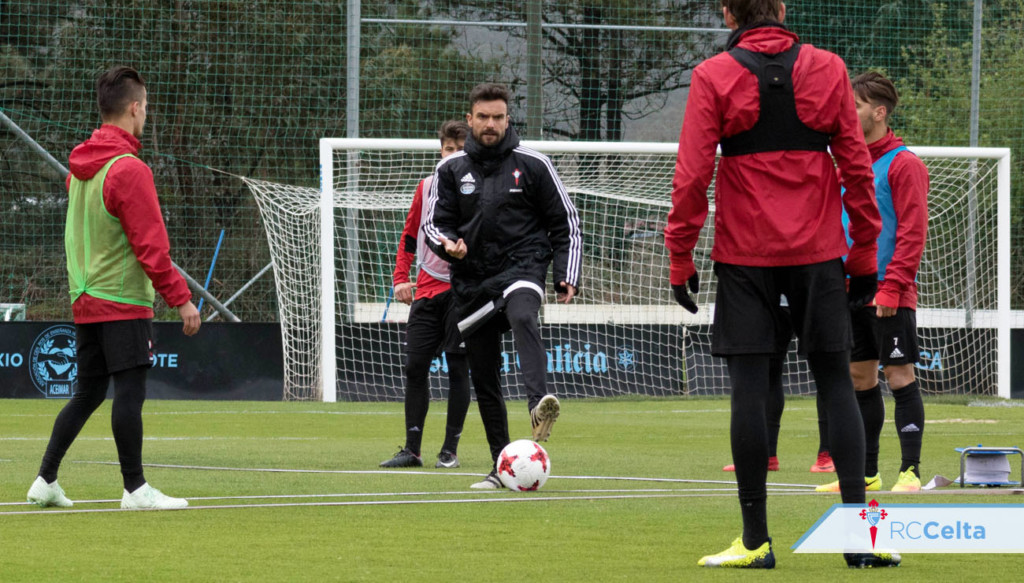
<point>433,326</point>
<point>750,320</point>
<point>104,348</point>
<point>891,340</point>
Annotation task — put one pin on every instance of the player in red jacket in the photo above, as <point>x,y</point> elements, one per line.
<point>432,327</point>
<point>777,108</point>
<point>885,332</point>
<point>118,256</point>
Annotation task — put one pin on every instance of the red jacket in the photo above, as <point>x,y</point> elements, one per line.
<point>130,195</point>
<point>772,208</point>
<point>427,286</point>
<point>908,181</point>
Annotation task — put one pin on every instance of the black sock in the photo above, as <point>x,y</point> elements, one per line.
<point>452,435</point>
<point>909,425</point>
<point>872,411</point>
<point>755,523</point>
<point>775,404</point>
<point>126,422</point>
<point>748,432</point>
<point>417,397</point>
<point>458,400</point>
<point>822,423</point>
<point>90,394</point>
<point>831,372</point>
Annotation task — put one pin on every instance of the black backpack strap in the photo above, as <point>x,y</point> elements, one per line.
<point>778,126</point>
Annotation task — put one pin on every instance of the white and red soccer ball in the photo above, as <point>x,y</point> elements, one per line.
<point>523,466</point>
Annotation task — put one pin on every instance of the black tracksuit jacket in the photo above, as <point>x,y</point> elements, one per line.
<point>512,210</point>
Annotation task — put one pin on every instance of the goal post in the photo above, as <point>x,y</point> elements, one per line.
<point>1006,320</point>
<point>327,303</point>
<point>624,334</point>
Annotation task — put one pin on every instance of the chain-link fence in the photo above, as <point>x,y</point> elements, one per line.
<point>247,88</point>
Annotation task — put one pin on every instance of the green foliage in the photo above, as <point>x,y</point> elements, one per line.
<point>936,97</point>
<point>413,78</point>
<point>867,34</point>
<point>237,86</point>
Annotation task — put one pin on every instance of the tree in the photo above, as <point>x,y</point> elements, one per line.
<point>867,34</point>
<point>597,70</point>
<point>413,78</point>
<point>245,87</point>
<point>936,97</point>
<point>240,86</point>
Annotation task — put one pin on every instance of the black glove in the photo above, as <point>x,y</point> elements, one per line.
<point>683,298</point>
<point>862,290</point>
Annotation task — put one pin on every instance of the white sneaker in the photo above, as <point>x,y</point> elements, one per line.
<point>147,497</point>
<point>491,482</point>
<point>45,494</point>
<point>543,416</point>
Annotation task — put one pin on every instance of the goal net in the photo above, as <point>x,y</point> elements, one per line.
<point>334,252</point>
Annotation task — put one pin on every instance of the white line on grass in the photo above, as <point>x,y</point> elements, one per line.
<point>525,498</point>
<point>189,438</point>
<point>795,487</point>
<point>243,412</point>
<point>428,473</point>
<point>662,412</point>
<point>288,470</point>
<point>573,494</point>
<point>517,498</point>
<point>458,492</point>
<point>388,413</point>
<point>257,412</point>
<point>397,494</point>
<point>995,404</point>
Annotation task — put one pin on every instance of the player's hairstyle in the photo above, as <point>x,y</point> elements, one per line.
<point>750,11</point>
<point>453,129</point>
<point>488,92</point>
<point>116,89</point>
<point>875,88</point>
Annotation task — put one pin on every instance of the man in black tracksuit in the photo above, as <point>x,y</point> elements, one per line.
<point>500,215</point>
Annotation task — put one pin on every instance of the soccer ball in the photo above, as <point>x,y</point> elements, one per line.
<point>523,466</point>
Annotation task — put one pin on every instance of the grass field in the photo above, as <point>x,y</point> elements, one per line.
<point>342,520</point>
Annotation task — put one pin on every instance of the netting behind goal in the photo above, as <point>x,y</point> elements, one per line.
<point>624,335</point>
